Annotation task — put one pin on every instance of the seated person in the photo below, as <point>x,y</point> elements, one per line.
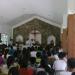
<point>71,65</point>
<point>25,69</point>
<point>10,61</point>
<point>33,56</point>
<point>12,66</point>
<point>44,67</point>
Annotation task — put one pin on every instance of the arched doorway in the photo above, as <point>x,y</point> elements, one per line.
<point>50,38</point>
<point>19,38</point>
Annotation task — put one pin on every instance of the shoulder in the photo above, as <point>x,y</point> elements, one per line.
<point>73,73</point>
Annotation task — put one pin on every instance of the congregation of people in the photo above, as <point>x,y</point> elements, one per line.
<point>35,60</point>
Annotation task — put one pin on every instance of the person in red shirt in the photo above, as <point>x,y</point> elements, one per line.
<point>23,62</point>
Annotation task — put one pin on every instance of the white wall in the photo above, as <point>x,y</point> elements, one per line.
<point>70,10</point>
<point>71,4</point>
<point>6,29</point>
<point>51,9</point>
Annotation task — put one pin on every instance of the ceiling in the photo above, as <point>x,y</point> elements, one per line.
<point>12,11</point>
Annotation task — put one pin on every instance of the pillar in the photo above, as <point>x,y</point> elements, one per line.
<point>71,35</point>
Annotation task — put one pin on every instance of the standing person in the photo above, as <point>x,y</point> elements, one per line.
<point>28,43</point>
<point>1,61</point>
<point>12,66</point>
<point>45,55</point>
<point>33,42</point>
<point>60,65</point>
<point>33,56</point>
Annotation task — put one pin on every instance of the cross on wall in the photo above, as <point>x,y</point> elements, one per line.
<point>34,33</point>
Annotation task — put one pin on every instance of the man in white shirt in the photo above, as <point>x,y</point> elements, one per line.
<point>60,65</point>
<point>71,67</point>
<point>33,54</point>
<point>28,43</point>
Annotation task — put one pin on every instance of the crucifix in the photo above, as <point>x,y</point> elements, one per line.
<point>34,33</point>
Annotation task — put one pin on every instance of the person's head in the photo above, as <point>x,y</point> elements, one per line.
<point>23,62</point>
<point>43,63</point>
<point>6,50</point>
<point>32,39</point>
<point>32,60</point>
<point>61,55</point>
<point>71,63</point>
<point>38,54</point>
<point>27,38</point>
<point>32,48</point>
<point>52,43</point>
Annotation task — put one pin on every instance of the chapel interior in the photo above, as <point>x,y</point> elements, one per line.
<point>37,34</point>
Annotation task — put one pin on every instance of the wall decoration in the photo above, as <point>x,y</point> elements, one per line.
<point>44,28</point>
<point>36,35</point>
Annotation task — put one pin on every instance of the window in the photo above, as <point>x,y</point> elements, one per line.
<point>4,39</point>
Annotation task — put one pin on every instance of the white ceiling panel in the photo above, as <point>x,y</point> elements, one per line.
<point>13,9</point>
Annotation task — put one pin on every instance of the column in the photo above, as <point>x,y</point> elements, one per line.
<point>71,35</point>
